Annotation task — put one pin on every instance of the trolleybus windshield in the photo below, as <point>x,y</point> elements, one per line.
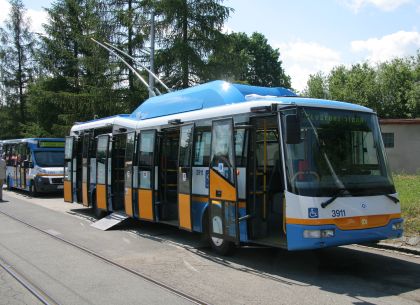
<point>339,149</point>
<point>49,158</point>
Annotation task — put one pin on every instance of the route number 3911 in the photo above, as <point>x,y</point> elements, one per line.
<point>338,213</point>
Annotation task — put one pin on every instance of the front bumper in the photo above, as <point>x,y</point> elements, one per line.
<point>296,241</point>
<point>47,184</point>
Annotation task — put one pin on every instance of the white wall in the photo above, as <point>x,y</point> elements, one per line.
<point>405,155</point>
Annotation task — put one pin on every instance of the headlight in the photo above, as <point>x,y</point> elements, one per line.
<point>327,233</point>
<point>312,233</point>
<point>318,233</point>
<point>397,226</point>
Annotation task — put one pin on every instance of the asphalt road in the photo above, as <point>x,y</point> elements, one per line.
<point>343,275</point>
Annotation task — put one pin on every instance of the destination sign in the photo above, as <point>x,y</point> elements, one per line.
<point>51,144</point>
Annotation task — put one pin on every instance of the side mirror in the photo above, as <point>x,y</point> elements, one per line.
<point>292,129</point>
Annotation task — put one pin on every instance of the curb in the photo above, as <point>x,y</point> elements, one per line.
<point>399,248</point>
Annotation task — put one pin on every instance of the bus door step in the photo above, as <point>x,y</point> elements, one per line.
<point>109,221</point>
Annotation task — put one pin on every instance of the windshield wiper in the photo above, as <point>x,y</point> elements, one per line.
<point>340,193</point>
<point>394,199</point>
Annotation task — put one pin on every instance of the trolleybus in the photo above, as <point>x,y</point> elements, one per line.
<point>34,164</point>
<point>241,164</point>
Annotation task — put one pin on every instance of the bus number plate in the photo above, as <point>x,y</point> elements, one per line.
<point>338,213</point>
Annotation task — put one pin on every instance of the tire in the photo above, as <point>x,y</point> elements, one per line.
<point>219,245</point>
<point>32,190</point>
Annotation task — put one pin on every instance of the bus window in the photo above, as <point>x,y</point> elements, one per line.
<point>202,147</point>
<point>241,144</point>
<point>185,159</point>
<point>145,157</point>
<point>101,159</point>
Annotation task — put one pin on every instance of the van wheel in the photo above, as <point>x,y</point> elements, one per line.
<point>32,190</point>
<point>219,245</point>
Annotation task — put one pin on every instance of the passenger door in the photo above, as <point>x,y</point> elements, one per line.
<point>223,182</point>
<point>102,176</point>
<point>85,169</point>
<point>146,165</point>
<point>68,169</point>
<point>184,177</point>
<point>24,170</point>
<point>128,173</point>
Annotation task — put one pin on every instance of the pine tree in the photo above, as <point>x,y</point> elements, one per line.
<point>130,21</point>
<point>16,69</point>
<point>81,76</point>
<point>188,34</point>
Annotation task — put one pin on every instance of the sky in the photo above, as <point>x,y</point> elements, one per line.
<point>312,36</point>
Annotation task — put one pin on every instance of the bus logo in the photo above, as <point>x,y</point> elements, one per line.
<point>313,213</point>
<point>364,221</point>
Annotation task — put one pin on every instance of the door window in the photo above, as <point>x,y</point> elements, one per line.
<point>222,149</point>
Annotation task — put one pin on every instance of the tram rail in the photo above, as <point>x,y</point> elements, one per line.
<point>160,284</point>
<point>37,292</point>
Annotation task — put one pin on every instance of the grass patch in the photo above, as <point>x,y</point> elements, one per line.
<point>408,188</point>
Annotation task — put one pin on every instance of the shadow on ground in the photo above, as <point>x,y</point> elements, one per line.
<point>343,270</point>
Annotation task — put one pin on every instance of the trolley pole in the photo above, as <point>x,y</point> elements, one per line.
<point>152,53</point>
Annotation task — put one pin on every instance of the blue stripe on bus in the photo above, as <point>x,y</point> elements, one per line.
<point>296,241</point>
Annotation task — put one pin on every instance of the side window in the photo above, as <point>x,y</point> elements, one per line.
<point>241,145</point>
<point>101,159</point>
<point>146,148</point>
<point>202,143</point>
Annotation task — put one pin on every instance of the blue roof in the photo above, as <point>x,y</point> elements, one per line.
<point>203,96</point>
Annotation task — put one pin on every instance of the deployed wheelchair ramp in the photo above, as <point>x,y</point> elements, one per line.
<point>109,221</point>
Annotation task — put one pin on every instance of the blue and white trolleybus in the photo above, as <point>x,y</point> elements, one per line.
<point>241,164</point>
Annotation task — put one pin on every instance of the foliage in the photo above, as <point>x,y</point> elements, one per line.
<point>316,87</point>
<point>188,34</point>
<point>249,60</point>
<point>130,25</point>
<point>16,68</point>
<point>391,88</point>
<point>48,82</point>
<point>82,80</point>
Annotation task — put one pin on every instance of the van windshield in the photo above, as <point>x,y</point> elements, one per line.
<point>49,158</point>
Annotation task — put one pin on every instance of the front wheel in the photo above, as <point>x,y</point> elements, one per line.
<point>218,244</point>
<point>32,190</point>
<point>222,246</point>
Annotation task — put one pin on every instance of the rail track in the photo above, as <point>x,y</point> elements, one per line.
<point>37,292</point>
<point>45,299</point>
